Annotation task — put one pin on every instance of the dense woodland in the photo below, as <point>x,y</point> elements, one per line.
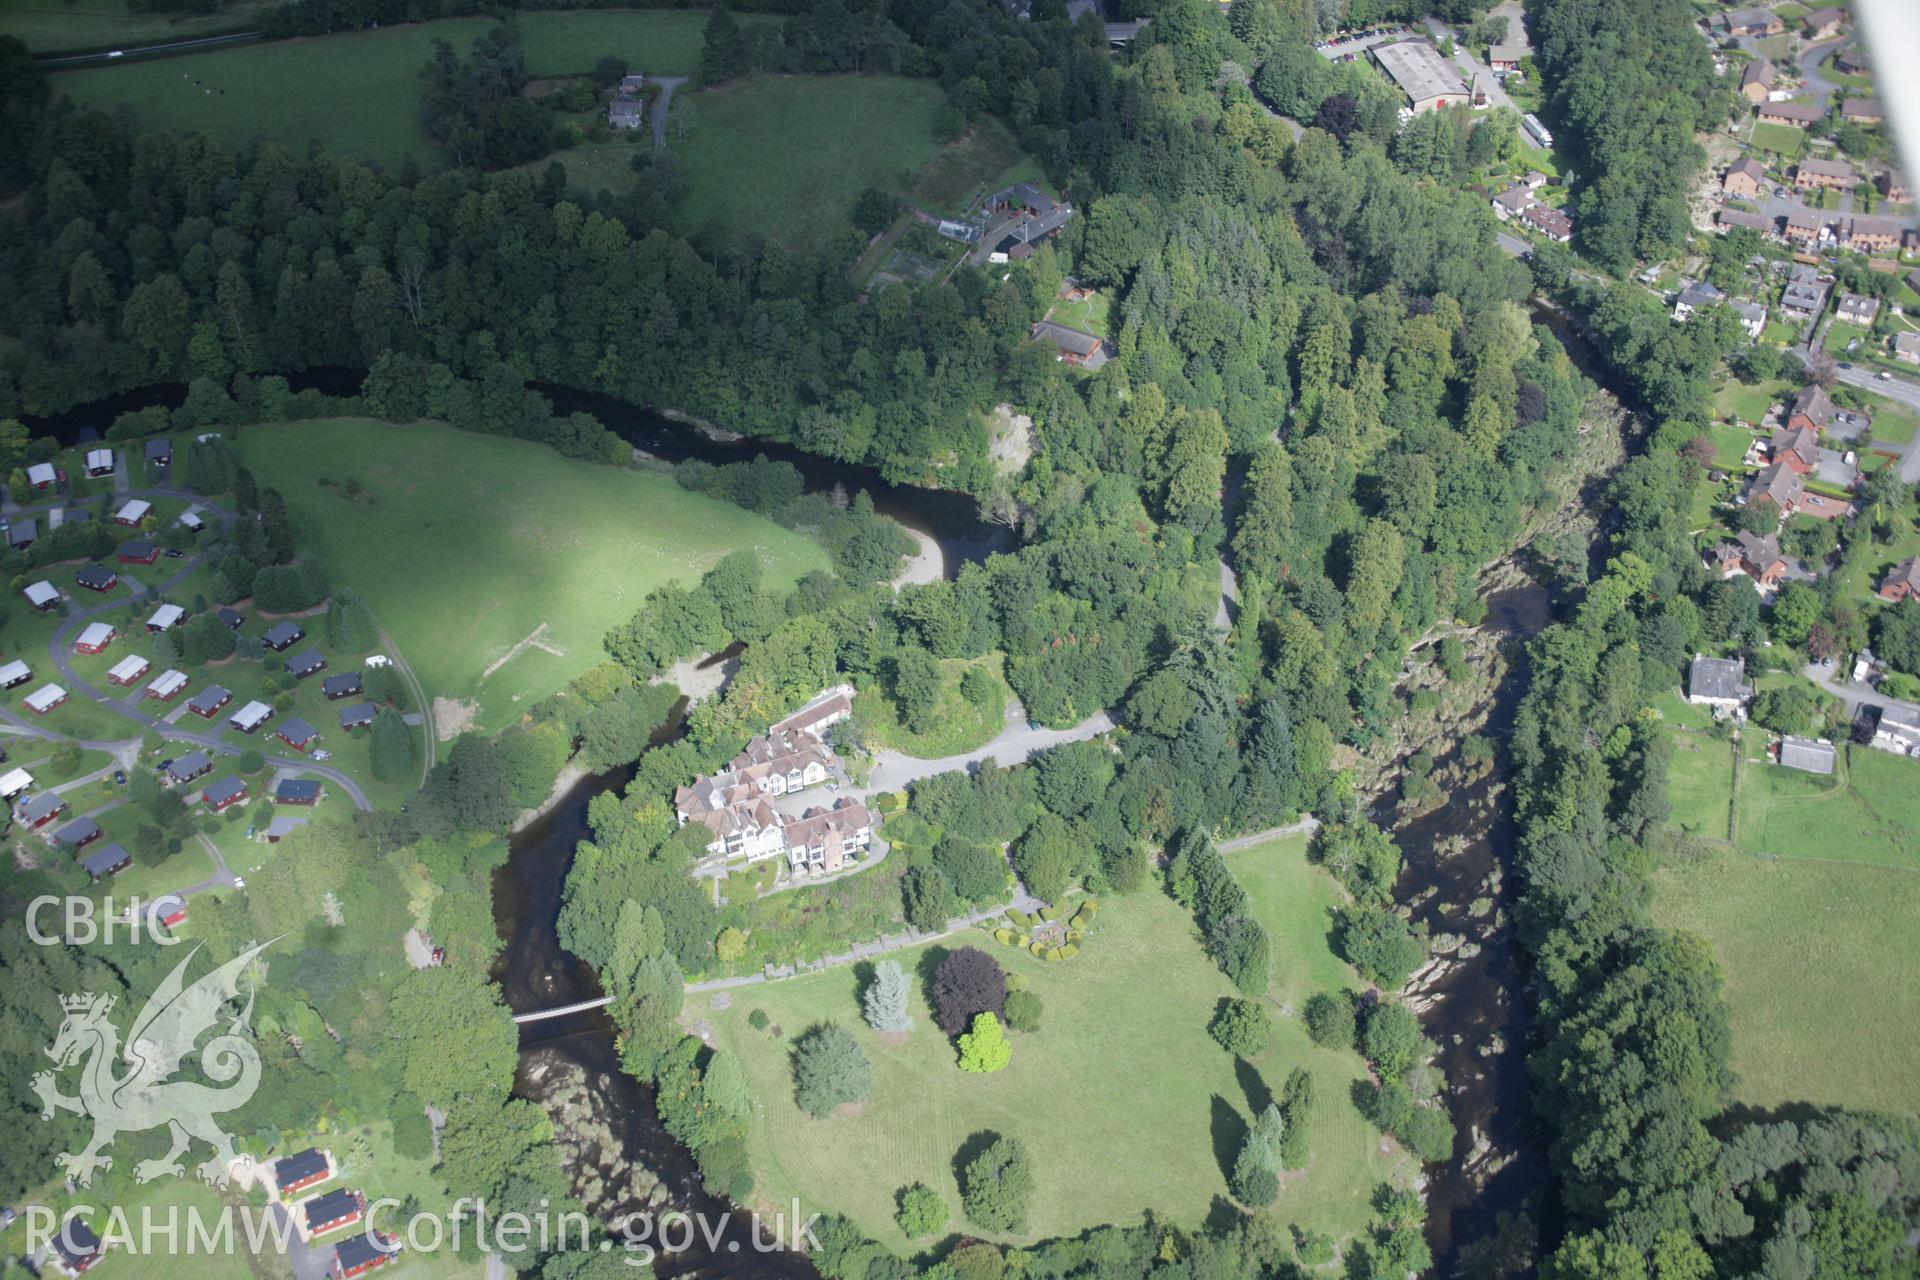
<point>1329,322</point>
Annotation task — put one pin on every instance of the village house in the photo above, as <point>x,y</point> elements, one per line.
<point>282,635</point>
<point>1906,348</point>
<point>45,699</point>
<point>1837,175</point>
<point>1748,22</point>
<point>625,113</point>
<point>108,860</point>
<point>1513,201</point>
<point>355,716</point>
<point>1429,80</point>
<point>133,512</point>
<point>1745,179</point>
<point>1813,409</point>
<point>1897,730</point>
<point>1753,318</point>
<point>1872,233</point>
<point>1854,60</point>
<point>13,783</point>
<point>78,834</point>
<point>1901,581</point>
<point>169,909</point>
<point>250,717</point>
<point>297,733</point>
<point>1894,186</point>
<point>76,1249</point>
<point>1861,111</point>
<point>185,769</point>
<point>1797,446</point>
<point>96,577</point>
<point>1075,346</point>
<point>344,685</point>
<point>99,463</point>
<point>1809,755</point>
<point>22,534</point>
<point>364,1251</point>
<point>190,521</point>
<point>167,685</point>
<point>159,452</point>
<point>137,551</point>
<point>42,595</point>
<point>15,673</point>
<point>231,619</point>
<point>128,669</point>
<point>329,1212</point>
<point>1854,308</point>
<point>1717,682</point>
<point>1755,81</point>
<point>41,476</point>
<point>301,791</point>
<point>165,617</point>
<point>305,663</point>
<point>1549,222</point>
<point>1805,296</point>
<point>95,637</point>
<point>823,841</point>
<point>295,1173</point>
<point>1779,485</point>
<point>1697,296</point>
<point>1506,57</point>
<point>1795,115</point>
<point>37,811</point>
<point>1823,24</point>
<point>224,794</point>
<point>1757,557</point>
<point>282,827</point>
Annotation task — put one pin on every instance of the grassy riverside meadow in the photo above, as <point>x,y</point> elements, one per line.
<point>466,544</point>
<point>1123,1098</point>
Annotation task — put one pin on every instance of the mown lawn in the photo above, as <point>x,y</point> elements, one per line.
<point>1700,783</point>
<point>785,157</point>
<point>1782,140</point>
<point>358,94</point>
<point>1747,401</point>
<point>1123,1099</point>
<point>50,26</point>
<point>959,726</point>
<point>1867,811</point>
<point>1089,315</point>
<point>469,545</point>
<point>1821,979</point>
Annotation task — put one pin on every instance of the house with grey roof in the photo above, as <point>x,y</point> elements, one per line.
<point>1717,682</point>
<point>1075,347</point>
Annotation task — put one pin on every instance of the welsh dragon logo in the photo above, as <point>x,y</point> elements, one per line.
<point>146,1096</point>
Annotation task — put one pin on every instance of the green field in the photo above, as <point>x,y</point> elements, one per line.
<point>959,726</point>
<point>1089,315</point>
<point>656,41</point>
<point>1868,811</point>
<point>786,157</point>
<point>1782,140</point>
<point>359,94</point>
<point>1700,783</point>
<point>469,545</point>
<point>1748,402</point>
<point>49,26</point>
<point>1121,1095</point>
<point>1822,984</point>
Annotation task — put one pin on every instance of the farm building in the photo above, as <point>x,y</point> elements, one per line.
<point>297,733</point>
<point>22,534</point>
<point>13,782</point>
<point>15,673</point>
<point>280,828</point>
<point>208,701</point>
<point>45,699</point>
<point>78,834</point>
<point>167,615</point>
<point>355,716</point>
<point>37,811</point>
<point>128,669</point>
<point>295,1173</point>
<point>1897,730</point>
<point>1429,80</point>
<point>95,637</point>
<point>1717,682</point>
<point>224,794</point>
<point>300,791</point>
<point>1809,755</point>
<point>337,1208</point>
<point>96,577</point>
<point>305,663</point>
<point>108,860</point>
<point>281,636</point>
<point>188,767</point>
<point>135,510</point>
<point>251,716</point>
<point>167,684</point>
<point>99,462</point>
<point>344,685</point>
<point>137,551</point>
<point>42,595</point>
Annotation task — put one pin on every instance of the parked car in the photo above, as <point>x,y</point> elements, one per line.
<point>120,776</point>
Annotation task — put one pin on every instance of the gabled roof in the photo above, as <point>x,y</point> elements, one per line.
<point>298,730</point>
<point>283,633</point>
<point>1748,167</point>
<point>166,615</point>
<point>306,660</point>
<point>296,790</point>
<point>104,859</point>
<point>40,593</point>
<point>134,511</point>
<point>1716,677</point>
<point>362,1247</point>
<point>338,686</point>
<point>34,808</point>
<point>209,698</point>
<point>1701,294</point>
<point>341,1202</point>
<point>297,1168</point>
<point>1906,573</point>
<point>157,448</point>
<point>77,831</point>
<point>14,671</point>
<point>189,766</point>
<point>1762,553</point>
<point>359,714</point>
<point>1779,483</point>
<point>1861,109</point>
<point>95,633</point>
<point>1806,754</point>
<point>1814,402</point>
<point>1802,442</point>
<point>223,790</point>
<point>1759,72</point>
<point>1802,112</point>
<point>1827,168</point>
